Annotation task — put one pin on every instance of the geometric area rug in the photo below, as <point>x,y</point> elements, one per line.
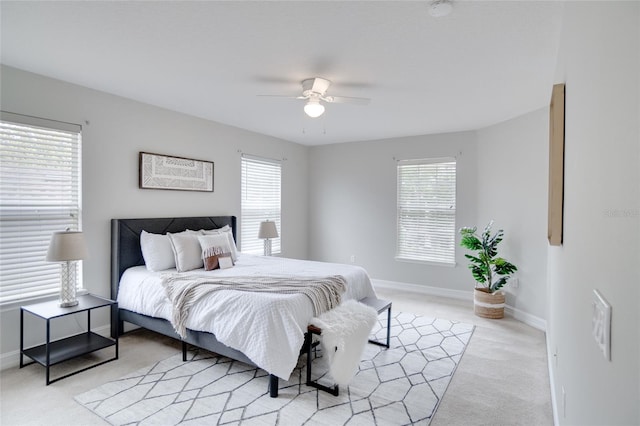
<point>397,386</point>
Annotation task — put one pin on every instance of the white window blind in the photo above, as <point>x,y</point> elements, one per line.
<point>427,210</point>
<point>39,194</point>
<point>261,182</point>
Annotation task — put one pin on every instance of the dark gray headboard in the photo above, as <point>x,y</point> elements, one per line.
<point>125,238</point>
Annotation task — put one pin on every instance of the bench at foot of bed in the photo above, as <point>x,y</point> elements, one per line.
<point>380,305</point>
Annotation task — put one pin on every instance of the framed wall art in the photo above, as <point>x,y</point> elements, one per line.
<point>183,174</point>
<point>556,165</point>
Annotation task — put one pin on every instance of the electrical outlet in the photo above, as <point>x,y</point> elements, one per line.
<point>515,282</point>
<point>601,324</point>
<point>353,258</point>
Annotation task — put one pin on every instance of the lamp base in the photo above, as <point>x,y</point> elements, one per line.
<point>267,247</point>
<point>68,287</point>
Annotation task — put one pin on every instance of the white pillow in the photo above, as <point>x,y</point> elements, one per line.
<point>226,230</point>
<point>186,232</point>
<point>157,252</point>
<point>186,250</point>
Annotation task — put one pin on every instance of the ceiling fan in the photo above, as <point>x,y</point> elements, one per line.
<point>314,90</point>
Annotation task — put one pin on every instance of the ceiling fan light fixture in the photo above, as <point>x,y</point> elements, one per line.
<point>313,108</point>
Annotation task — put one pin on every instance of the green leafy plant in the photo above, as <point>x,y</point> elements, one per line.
<point>488,269</point>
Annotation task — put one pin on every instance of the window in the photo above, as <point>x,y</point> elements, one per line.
<point>260,201</point>
<point>427,210</point>
<point>39,194</point>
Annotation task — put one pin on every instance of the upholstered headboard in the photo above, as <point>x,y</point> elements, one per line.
<point>125,238</point>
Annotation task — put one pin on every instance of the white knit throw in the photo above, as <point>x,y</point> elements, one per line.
<point>183,291</point>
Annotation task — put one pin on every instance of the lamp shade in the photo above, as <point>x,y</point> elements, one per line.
<point>268,230</point>
<point>66,246</point>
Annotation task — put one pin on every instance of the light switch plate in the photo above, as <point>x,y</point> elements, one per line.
<point>601,323</point>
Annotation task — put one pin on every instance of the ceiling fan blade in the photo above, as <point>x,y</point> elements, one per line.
<point>347,100</point>
<point>282,96</point>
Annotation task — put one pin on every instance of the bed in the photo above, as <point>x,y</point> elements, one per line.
<point>142,304</point>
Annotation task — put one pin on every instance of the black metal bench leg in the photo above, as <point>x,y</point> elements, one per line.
<point>380,305</point>
<point>273,386</point>
<point>387,344</point>
<point>388,326</point>
<point>184,351</point>
<point>308,342</point>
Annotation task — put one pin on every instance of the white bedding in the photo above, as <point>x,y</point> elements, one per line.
<point>267,328</point>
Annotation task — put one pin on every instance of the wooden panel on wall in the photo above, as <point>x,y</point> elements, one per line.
<point>556,165</point>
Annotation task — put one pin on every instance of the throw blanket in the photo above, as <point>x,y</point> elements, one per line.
<point>323,292</point>
<point>345,332</point>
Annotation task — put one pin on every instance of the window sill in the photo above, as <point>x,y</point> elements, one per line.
<point>426,262</point>
<point>16,304</point>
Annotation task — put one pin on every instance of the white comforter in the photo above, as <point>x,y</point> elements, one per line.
<point>267,328</point>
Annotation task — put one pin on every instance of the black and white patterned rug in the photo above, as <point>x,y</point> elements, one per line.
<point>396,386</point>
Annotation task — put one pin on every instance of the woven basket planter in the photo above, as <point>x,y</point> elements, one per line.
<point>488,305</point>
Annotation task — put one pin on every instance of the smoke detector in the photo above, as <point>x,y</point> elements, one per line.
<point>440,8</point>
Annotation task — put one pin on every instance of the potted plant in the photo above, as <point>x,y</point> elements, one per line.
<point>489,270</point>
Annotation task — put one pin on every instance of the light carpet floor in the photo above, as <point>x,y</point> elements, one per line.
<point>501,380</point>
<point>397,386</point>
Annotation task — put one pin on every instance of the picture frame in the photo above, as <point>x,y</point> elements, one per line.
<point>159,171</point>
<point>556,165</point>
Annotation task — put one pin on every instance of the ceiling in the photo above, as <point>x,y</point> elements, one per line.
<point>486,62</point>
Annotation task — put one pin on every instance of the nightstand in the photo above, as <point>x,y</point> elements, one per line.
<point>57,351</point>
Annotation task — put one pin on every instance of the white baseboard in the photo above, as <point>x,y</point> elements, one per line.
<point>424,289</point>
<point>515,313</point>
<point>552,382</point>
<point>527,318</point>
<point>12,359</point>
<point>9,360</point>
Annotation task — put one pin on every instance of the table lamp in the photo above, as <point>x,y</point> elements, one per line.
<point>267,231</point>
<point>67,247</point>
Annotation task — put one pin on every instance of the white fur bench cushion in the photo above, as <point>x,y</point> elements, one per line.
<point>345,332</point>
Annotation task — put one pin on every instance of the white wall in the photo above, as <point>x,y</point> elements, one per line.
<point>599,62</point>
<point>118,129</point>
<point>512,189</point>
<point>502,175</point>
<point>352,207</point>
